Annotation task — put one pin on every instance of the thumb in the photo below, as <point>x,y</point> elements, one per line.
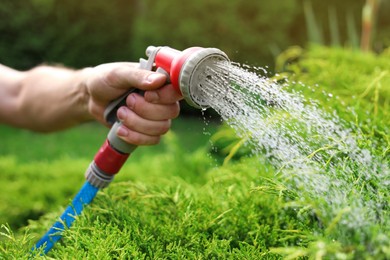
<point>126,77</point>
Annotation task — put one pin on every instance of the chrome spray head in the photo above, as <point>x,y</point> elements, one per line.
<point>187,70</point>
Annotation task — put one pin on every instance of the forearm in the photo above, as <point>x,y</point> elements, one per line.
<point>63,89</point>
<point>49,98</point>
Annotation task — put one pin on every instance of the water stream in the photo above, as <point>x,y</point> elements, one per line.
<point>315,152</point>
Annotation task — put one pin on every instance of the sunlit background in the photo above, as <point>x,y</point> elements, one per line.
<point>86,33</point>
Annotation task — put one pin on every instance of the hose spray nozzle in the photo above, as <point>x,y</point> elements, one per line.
<point>187,70</point>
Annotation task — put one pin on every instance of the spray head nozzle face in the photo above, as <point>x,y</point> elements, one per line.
<point>188,70</point>
<point>195,73</point>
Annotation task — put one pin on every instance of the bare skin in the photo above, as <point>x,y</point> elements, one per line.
<point>47,99</point>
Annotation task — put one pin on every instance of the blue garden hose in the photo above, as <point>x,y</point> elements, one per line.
<point>107,162</point>
<point>84,197</point>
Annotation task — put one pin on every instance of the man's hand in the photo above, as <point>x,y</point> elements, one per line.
<point>145,118</point>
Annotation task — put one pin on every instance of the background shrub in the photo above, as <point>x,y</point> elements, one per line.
<point>87,33</point>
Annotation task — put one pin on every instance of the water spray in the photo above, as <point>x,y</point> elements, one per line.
<point>187,70</point>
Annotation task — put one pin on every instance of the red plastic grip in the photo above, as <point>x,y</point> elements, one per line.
<point>172,60</point>
<point>164,58</point>
<point>109,160</point>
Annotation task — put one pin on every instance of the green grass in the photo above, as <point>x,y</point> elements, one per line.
<point>175,201</point>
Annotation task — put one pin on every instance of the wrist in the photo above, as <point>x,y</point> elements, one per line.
<point>85,98</point>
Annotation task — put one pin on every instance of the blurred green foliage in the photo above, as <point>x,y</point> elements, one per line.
<point>87,33</point>
<point>73,33</point>
<point>246,31</point>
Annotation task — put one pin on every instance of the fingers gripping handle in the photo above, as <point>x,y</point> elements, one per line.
<point>111,118</point>
<point>115,151</point>
<point>111,110</point>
